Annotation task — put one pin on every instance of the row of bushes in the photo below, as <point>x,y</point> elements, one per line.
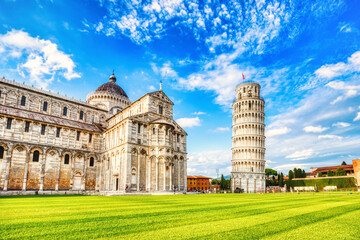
<point>347,182</point>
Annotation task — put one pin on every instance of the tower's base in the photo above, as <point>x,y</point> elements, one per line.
<point>248,182</point>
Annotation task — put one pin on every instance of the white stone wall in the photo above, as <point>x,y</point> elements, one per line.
<point>248,141</point>
<point>146,149</point>
<point>139,147</point>
<point>12,93</point>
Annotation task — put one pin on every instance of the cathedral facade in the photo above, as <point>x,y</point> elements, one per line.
<point>50,142</point>
<point>248,140</point>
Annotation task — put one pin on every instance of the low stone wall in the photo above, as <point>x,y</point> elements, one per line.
<point>25,193</point>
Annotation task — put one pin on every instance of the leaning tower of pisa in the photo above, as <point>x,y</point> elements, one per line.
<point>248,140</point>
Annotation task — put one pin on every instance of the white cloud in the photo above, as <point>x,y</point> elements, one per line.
<point>314,129</point>
<point>189,122</point>
<point>347,27</point>
<point>341,124</point>
<point>349,90</point>
<point>330,71</point>
<point>221,129</point>
<point>329,136</point>
<point>167,72</point>
<point>300,155</point>
<point>152,88</point>
<point>43,59</point>
<point>199,113</point>
<point>278,131</point>
<point>357,118</point>
<point>206,162</point>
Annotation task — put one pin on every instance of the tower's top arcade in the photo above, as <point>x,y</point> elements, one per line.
<point>248,90</point>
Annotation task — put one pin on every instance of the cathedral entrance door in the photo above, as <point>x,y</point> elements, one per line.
<point>77,183</point>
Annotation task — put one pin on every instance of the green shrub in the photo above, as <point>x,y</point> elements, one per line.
<point>347,182</point>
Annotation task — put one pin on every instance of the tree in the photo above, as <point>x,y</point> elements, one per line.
<point>340,172</point>
<point>295,173</point>
<point>343,163</point>
<point>222,182</point>
<point>320,174</point>
<point>281,180</point>
<point>215,182</point>
<point>291,175</point>
<point>270,172</point>
<point>227,183</point>
<point>329,173</point>
<point>303,173</point>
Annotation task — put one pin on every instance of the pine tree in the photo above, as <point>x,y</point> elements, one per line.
<point>343,163</point>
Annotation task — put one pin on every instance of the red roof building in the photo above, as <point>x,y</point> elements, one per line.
<point>348,168</point>
<point>198,183</point>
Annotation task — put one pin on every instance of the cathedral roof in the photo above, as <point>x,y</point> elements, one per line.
<point>111,87</point>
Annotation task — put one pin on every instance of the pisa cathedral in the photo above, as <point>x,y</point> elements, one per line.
<point>248,140</point>
<point>106,144</point>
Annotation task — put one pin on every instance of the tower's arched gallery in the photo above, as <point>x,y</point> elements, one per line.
<point>248,140</point>
<point>108,143</point>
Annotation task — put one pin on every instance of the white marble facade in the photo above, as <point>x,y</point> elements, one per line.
<point>106,144</point>
<point>248,140</point>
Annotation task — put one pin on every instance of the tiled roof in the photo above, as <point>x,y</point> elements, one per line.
<point>348,167</point>
<point>199,177</point>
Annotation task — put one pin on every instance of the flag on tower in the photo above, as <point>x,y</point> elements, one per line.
<point>243,76</point>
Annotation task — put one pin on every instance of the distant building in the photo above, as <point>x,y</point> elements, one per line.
<point>198,183</point>
<point>356,166</point>
<point>316,170</point>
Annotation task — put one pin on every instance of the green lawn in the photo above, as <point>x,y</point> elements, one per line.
<point>221,216</point>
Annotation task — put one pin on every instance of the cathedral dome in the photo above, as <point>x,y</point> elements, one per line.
<point>111,87</point>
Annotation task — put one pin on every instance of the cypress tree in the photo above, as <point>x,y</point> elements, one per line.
<point>295,173</point>
<point>281,180</point>
<point>291,175</point>
<point>222,182</point>
<point>304,173</point>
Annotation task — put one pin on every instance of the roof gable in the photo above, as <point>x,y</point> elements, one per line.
<point>161,95</point>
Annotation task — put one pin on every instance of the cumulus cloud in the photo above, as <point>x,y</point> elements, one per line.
<point>278,131</point>
<point>43,58</point>
<point>341,124</point>
<point>189,122</point>
<point>300,155</point>
<point>315,129</point>
<point>206,162</point>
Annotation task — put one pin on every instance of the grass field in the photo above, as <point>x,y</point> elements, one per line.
<point>221,216</point>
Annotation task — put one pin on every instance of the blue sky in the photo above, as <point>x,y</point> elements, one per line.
<point>305,54</point>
